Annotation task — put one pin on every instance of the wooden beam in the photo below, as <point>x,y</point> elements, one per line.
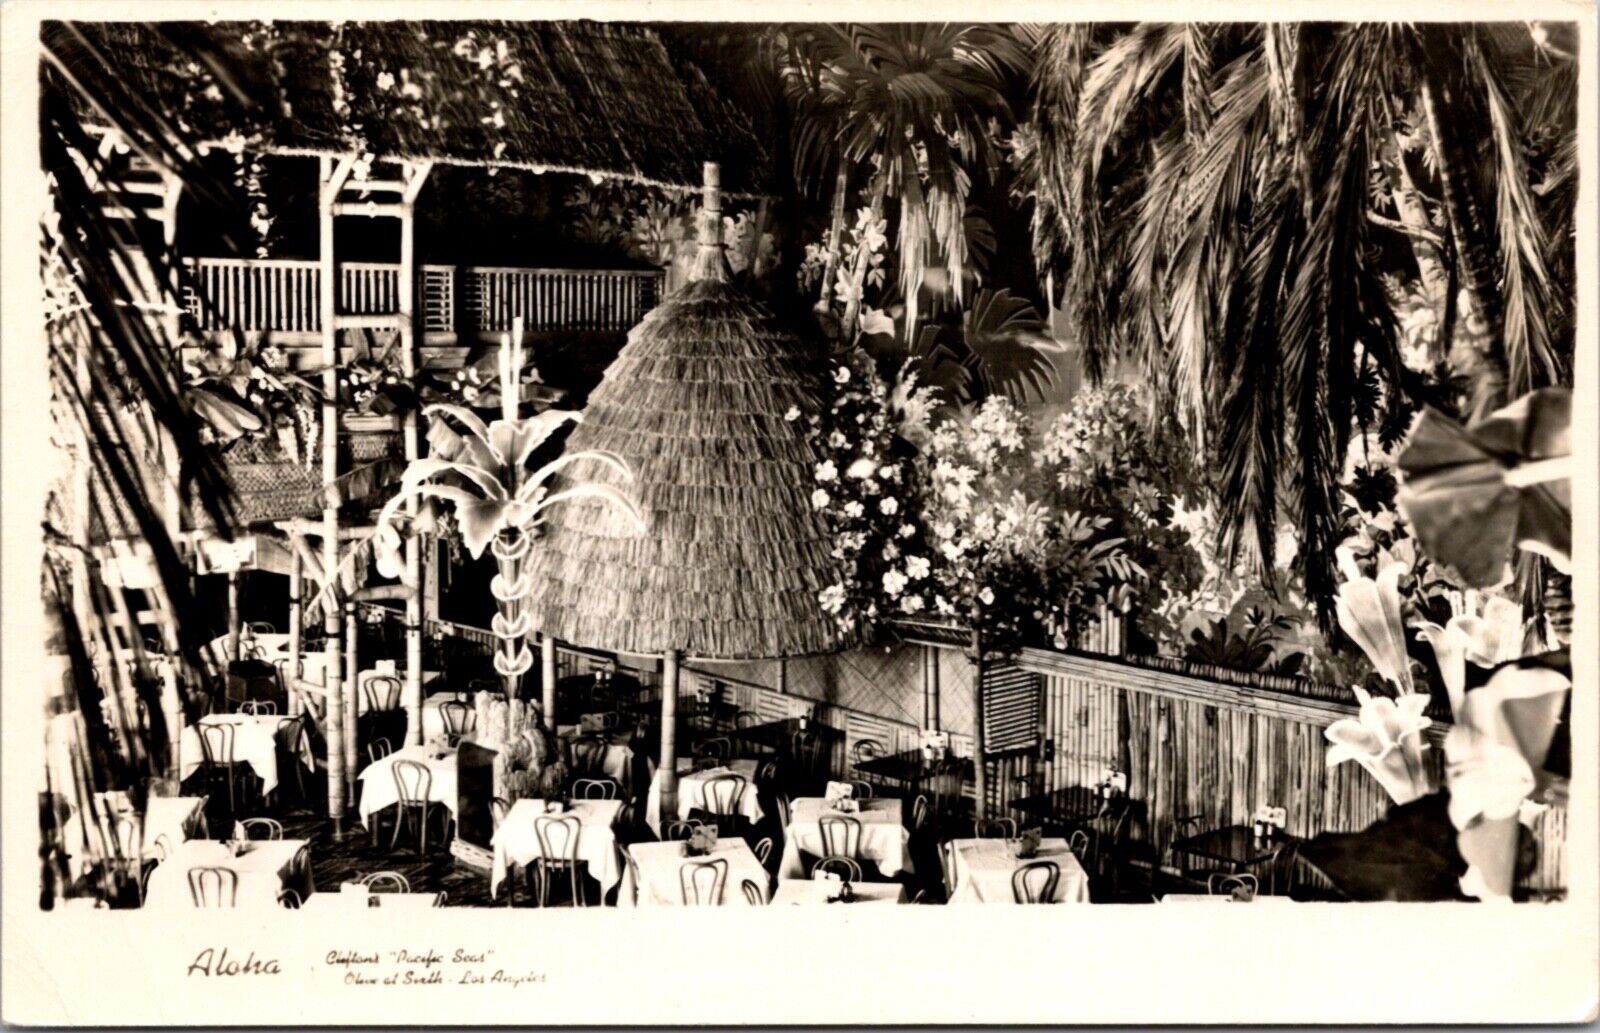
<point>296,620</point>
<point>406,297</point>
<point>980,777</point>
<point>669,736</point>
<point>352,691</point>
<point>336,174</point>
<point>369,209</point>
<point>333,177</point>
<point>367,321</point>
<point>417,176</point>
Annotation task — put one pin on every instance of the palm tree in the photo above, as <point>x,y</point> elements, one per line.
<point>911,104</point>
<point>120,419</point>
<point>1204,195</point>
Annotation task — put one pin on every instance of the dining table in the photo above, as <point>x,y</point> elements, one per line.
<point>255,742</point>
<point>982,870</point>
<point>171,817</point>
<point>616,761</point>
<point>655,875</point>
<point>378,789</point>
<point>1236,846</point>
<point>516,841</point>
<point>357,899</point>
<point>911,769</point>
<point>884,839</point>
<point>1067,807</point>
<point>823,891</point>
<point>691,790</point>
<point>265,868</point>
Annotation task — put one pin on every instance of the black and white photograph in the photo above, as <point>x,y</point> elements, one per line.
<point>1033,483</point>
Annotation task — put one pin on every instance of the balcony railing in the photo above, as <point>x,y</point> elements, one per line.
<point>284,296</point>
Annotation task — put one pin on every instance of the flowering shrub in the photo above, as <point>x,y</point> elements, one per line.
<point>251,395</point>
<point>868,233</point>
<point>373,383</point>
<point>956,531</point>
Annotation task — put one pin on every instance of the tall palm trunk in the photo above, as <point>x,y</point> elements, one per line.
<point>830,268</point>
<point>858,272</point>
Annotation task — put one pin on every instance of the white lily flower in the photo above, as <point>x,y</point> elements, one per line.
<point>1386,739</point>
<point>1487,640</point>
<point>1369,612</point>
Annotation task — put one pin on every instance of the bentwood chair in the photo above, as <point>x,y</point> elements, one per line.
<point>589,755</point>
<point>272,828</point>
<point>675,830</point>
<point>214,887</point>
<point>413,783</point>
<point>846,868</point>
<point>378,749</point>
<point>1241,886</point>
<point>289,899</point>
<point>766,776</point>
<point>865,750</point>
<point>919,813</point>
<point>947,869</point>
<point>124,859</point>
<point>763,849</point>
<point>997,828</point>
<point>385,882</point>
<point>722,796</point>
<point>558,850</point>
<point>216,747</point>
<point>594,789</point>
<point>716,750</point>
<point>499,807</point>
<point>259,708</point>
<point>752,893</point>
<point>1035,882</point>
<point>458,719</point>
<point>382,692</point>
<point>261,628</point>
<point>841,835</point>
<point>702,882</point>
<point>806,752</point>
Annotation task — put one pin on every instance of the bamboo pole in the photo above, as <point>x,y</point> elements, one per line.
<point>669,735</point>
<point>979,775</point>
<point>352,691</point>
<point>334,733</point>
<point>296,622</point>
<point>547,678</point>
<point>233,615</point>
<point>408,363</point>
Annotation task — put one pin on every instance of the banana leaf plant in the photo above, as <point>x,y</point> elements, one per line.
<point>484,476</point>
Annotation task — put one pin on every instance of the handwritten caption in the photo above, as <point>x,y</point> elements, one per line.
<point>460,967</point>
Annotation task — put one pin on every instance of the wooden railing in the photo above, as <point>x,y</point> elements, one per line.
<point>284,295</point>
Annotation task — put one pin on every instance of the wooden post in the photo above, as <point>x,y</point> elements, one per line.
<point>669,736</point>
<point>352,692</point>
<point>783,675</point>
<point>332,179</point>
<point>233,615</point>
<point>979,775</point>
<point>547,678</point>
<point>296,621</point>
<point>416,175</point>
<point>930,660</point>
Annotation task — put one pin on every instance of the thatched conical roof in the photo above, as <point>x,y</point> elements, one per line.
<point>733,555</point>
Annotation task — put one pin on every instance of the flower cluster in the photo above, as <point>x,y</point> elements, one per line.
<point>869,233</point>
<point>252,395</point>
<point>373,382</point>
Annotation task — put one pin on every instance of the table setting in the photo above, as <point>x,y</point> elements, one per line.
<point>516,841</point>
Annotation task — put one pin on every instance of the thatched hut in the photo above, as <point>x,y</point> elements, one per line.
<point>701,405</point>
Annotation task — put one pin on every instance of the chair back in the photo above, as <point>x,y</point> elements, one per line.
<point>763,849</point>
<point>289,899</point>
<point>806,749</point>
<point>867,749</point>
<point>746,719</point>
<point>841,835</point>
<point>947,869</point>
<point>861,790</point>
<point>589,754</point>
<point>674,830</point>
<point>594,789</point>
<point>413,782</point>
<point>272,828</point>
<point>919,812</point>
<point>1035,882</point>
<point>257,707</point>
<point>214,887</point>
<point>1081,844</point>
<point>292,733</point>
<point>1242,885</point>
<point>752,893</point>
<point>723,794</point>
<point>499,807</point>
<point>216,743</point>
<point>719,748</point>
<point>458,719</point>
<point>378,749</point>
<point>702,882</point>
<point>846,868</point>
<point>261,628</point>
<point>386,882</point>
<point>382,692</point>
<point>558,836</point>
<point>997,828</point>
<point>767,772</point>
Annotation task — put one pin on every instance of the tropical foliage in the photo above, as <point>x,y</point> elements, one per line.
<point>1220,205</point>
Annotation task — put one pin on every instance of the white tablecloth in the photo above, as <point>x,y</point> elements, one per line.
<point>691,790</point>
<point>884,839</point>
<point>516,841</point>
<point>617,763</point>
<point>660,863</point>
<point>433,720</point>
<point>1220,898</point>
<point>377,780</point>
<point>163,816</point>
<point>268,867</point>
<point>983,869</point>
<point>811,891</point>
<point>255,742</point>
<point>399,675</point>
<point>343,903</point>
